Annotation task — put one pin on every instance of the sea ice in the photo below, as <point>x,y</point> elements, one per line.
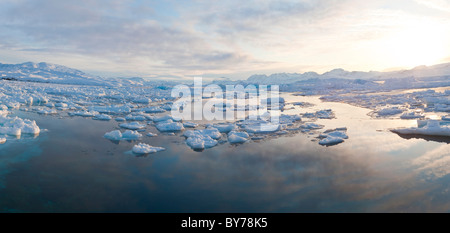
<point>102,117</point>
<point>132,125</point>
<point>2,140</point>
<point>131,135</point>
<point>329,141</point>
<point>169,126</point>
<point>143,148</point>
<point>237,137</point>
<point>115,135</point>
<point>411,115</point>
<point>433,128</point>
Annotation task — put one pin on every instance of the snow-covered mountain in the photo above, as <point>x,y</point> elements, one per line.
<point>48,73</point>
<point>417,72</point>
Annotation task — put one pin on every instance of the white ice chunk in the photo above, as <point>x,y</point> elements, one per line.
<point>433,128</point>
<point>115,135</point>
<point>224,127</point>
<point>237,137</point>
<point>131,135</point>
<point>143,148</point>
<point>102,117</point>
<point>189,124</point>
<point>2,140</point>
<point>152,134</point>
<point>132,125</point>
<point>168,127</point>
<point>328,141</point>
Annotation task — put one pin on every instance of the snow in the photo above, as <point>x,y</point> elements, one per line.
<point>143,148</point>
<point>433,128</point>
<point>132,125</point>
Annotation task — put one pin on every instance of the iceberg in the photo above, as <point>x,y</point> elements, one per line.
<point>102,117</point>
<point>2,140</point>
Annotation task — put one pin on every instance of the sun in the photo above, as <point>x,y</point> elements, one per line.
<point>418,43</point>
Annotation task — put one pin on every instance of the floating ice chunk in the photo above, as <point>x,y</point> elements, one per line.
<point>47,111</point>
<point>169,126</point>
<point>102,117</point>
<point>237,137</point>
<point>13,105</point>
<point>224,127</point>
<point>142,100</point>
<point>132,125</point>
<point>200,142</point>
<point>337,134</point>
<point>61,105</point>
<point>10,131</point>
<point>329,141</point>
<point>3,112</point>
<point>262,128</point>
<point>3,107</point>
<point>120,119</point>
<point>189,124</point>
<point>131,135</point>
<point>135,118</point>
<point>311,126</point>
<point>164,118</point>
<point>322,114</point>
<point>446,118</point>
<point>84,113</point>
<point>433,128</point>
<point>143,148</point>
<point>152,134</point>
<point>286,119</point>
<point>153,109</point>
<point>2,140</point>
<point>389,111</point>
<point>115,135</point>
<point>210,132</point>
<point>111,109</point>
<point>411,115</point>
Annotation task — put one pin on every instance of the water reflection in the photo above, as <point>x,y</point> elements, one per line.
<point>75,169</point>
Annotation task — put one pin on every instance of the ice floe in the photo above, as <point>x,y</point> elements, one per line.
<point>143,148</point>
<point>132,125</point>
<point>237,137</point>
<point>432,128</point>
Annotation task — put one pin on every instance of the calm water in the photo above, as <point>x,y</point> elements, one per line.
<point>72,168</point>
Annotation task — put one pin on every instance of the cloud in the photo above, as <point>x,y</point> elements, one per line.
<point>441,5</point>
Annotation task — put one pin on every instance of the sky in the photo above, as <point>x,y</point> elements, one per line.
<point>235,39</point>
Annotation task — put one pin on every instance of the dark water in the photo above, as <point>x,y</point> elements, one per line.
<point>72,168</point>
